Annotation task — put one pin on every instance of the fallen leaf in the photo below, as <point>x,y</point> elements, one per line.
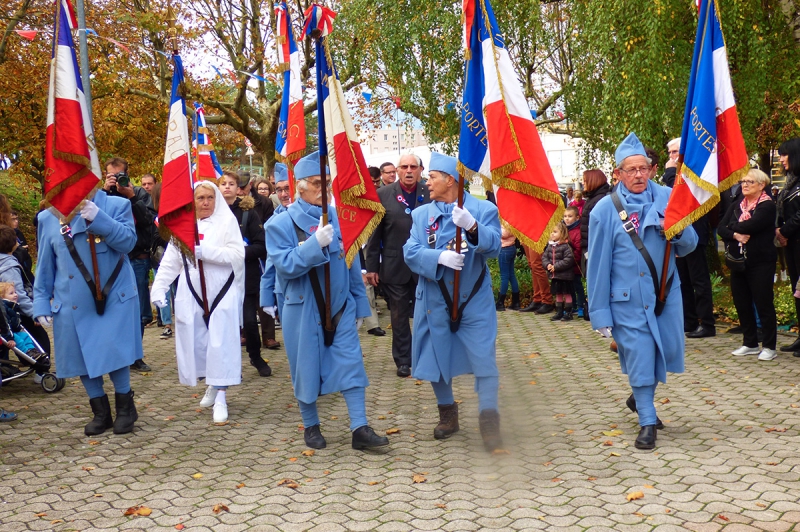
<point>326,472</point>
<point>87,468</point>
<point>772,463</point>
<point>381,417</point>
<point>774,429</point>
<point>419,479</point>
<point>612,433</point>
<point>556,479</point>
<point>240,486</point>
<point>710,402</point>
<point>665,401</point>
<point>418,383</point>
<point>334,418</point>
<point>308,452</point>
<point>289,483</point>
<point>667,510</point>
<point>169,418</point>
<point>612,453</point>
<point>723,371</point>
<point>570,431</point>
<point>197,476</point>
<point>392,431</point>
<point>372,483</point>
<point>293,459</point>
<point>94,442</point>
<point>608,443</point>
<point>795,406</point>
<point>42,514</point>
<point>533,355</point>
<point>635,495</point>
<point>138,510</point>
<point>547,464</point>
<point>220,508</point>
<point>613,425</point>
<point>440,505</point>
<point>98,495</point>
<point>761,505</point>
<point>559,415</point>
<point>532,382</point>
<point>723,517</point>
<point>56,521</point>
<point>705,389</point>
<point>180,526</point>
<point>501,451</point>
<point>648,487</point>
<point>592,478</point>
<point>638,514</point>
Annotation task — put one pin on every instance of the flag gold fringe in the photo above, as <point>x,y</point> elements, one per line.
<point>284,67</point>
<point>80,174</point>
<point>280,39</point>
<point>698,213</point>
<point>352,253</point>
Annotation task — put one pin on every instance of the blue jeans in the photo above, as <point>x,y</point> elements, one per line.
<point>507,256</point>
<point>141,270</point>
<point>166,313</point>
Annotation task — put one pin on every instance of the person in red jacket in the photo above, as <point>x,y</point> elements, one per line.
<point>572,219</point>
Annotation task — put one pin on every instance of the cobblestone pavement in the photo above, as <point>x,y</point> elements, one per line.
<point>728,458</point>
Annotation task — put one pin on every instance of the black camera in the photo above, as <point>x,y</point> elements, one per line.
<point>123,179</point>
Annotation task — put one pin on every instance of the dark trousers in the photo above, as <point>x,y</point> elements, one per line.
<point>401,307</point>
<point>698,304</point>
<point>541,285</point>
<point>792,264</point>
<point>267,326</point>
<point>754,285</point>
<point>251,336</point>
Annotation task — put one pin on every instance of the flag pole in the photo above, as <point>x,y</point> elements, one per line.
<point>316,34</point>
<point>171,20</point>
<point>457,273</point>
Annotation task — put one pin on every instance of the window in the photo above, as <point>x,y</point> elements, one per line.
<point>386,137</point>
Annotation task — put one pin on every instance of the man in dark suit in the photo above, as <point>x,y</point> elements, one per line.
<point>384,252</point>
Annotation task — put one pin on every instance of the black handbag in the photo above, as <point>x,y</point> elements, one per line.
<point>734,262</point>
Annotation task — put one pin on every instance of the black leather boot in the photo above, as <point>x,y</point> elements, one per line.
<point>261,366</point>
<point>631,403</point>
<point>647,438</point>
<point>514,301</point>
<point>365,438</point>
<point>448,421</point>
<point>795,346</point>
<point>559,312</point>
<point>500,306</point>
<point>102,421</point>
<point>567,312</point>
<point>126,412</point>
<point>532,307</point>
<point>489,422</point>
<point>313,437</point>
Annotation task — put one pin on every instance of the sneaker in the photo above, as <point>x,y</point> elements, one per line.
<point>37,378</point>
<point>220,412</point>
<point>767,354</point>
<point>209,398</point>
<point>140,366</point>
<point>744,350</point>
<point>278,322</point>
<point>166,333</point>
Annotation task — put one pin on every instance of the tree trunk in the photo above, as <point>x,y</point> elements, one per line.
<point>791,9</point>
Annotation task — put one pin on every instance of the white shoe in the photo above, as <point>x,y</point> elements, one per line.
<point>209,397</point>
<point>767,354</point>
<point>220,412</point>
<point>744,350</point>
<point>37,378</point>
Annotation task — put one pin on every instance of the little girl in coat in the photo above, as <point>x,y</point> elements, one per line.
<point>558,261</point>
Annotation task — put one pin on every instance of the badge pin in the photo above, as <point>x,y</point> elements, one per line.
<point>408,211</point>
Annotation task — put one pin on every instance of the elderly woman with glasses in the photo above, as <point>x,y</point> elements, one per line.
<point>747,229</point>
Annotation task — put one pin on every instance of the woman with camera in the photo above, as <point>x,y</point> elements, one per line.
<point>747,230</point>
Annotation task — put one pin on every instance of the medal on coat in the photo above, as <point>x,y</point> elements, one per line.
<point>402,200</point>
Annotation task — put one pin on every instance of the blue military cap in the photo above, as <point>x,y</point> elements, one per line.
<point>281,173</point>
<point>629,147</point>
<point>444,163</point>
<point>308,166</point>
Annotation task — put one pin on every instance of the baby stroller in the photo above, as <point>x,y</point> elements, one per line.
<point>28,363</point>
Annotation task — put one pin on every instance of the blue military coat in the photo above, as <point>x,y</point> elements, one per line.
<point>86,343</point>
<point>436,353</point>
<point>316,369</point>
<point>621,292</point>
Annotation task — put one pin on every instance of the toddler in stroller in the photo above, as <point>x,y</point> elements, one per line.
<point>16,338</point>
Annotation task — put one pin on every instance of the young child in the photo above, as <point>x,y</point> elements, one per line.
<point>559,262</point>
<point>13,333</point>
<point>572,220</point>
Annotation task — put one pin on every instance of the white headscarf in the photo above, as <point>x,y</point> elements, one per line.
<point>224,230</point>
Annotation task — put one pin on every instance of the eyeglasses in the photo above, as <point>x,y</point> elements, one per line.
<point>282,190</point>
<point>634,171</point>
<point>747,182</point>
<point>408,167</point>
<point>317,183</point>
<point>389,171</point>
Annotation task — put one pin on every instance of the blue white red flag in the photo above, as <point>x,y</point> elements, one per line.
<point>72,167</point>
<point>290,142</point>
<point>712,147</point>
<point>206,165</point>
<point>358,206</point>
<point>499,141</point>
<point>176,211</point>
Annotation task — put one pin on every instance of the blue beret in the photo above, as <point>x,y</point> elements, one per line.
<point>444,163</point>
<point>308,166</point>
<point>629,147</point>
<point>281,173</point>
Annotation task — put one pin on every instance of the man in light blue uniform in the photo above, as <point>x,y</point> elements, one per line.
<point>90,340</point>
<point>441,349</point>
<point>271,297</point>
<point>622,290</point>
<point>298,246</point>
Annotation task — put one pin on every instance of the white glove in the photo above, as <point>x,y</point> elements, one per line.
<point>359,322</point>
<point>89,211</point>
<point>45,321</point>
<point>451,259</point>
<point>160,303</point>
<point>324,234</point>
<point>462,218</point>
<point>270,311</point>
<point>605,331</point>
<point>198,252</point>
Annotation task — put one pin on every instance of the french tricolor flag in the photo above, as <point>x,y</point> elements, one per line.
<point>72,167</point>
<point>206,164</point>
<point>176,210</point>
<point>290,142</point>
<point>712,149</point>
<point>498,140</point>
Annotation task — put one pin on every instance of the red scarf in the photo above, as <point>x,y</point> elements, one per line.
<point>748,208</point>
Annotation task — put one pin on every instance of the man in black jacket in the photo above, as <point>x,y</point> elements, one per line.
<point>255,250</point>
<point>384,254</point>
<point>118,183</point>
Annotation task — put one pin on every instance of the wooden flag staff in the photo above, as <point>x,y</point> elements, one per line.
<point>457,273</point>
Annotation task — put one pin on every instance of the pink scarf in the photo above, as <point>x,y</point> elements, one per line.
<point>747,209</point>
